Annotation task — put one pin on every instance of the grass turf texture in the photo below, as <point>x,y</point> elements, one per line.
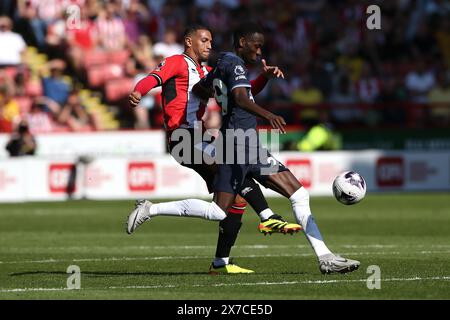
<point>406,235</point>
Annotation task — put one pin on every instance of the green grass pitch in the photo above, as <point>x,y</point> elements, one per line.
<point>406,235</point>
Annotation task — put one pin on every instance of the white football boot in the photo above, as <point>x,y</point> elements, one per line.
<point>330,263</point>
<point>140,214</point>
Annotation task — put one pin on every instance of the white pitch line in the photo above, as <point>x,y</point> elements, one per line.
<point>206,257</point>
<point>444,278</point>
<point>319,282</point>
<point>31,290</point>
<point>253,246</point>
<point>196,247</point>
<point>105,259</point>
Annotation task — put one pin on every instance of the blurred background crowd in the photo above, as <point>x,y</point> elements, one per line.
<point>69,65</point>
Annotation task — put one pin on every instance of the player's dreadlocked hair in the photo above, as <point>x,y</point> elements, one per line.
<point>192,29</point>
<point>244,30</point>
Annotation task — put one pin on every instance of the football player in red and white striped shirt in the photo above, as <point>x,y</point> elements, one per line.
<point>110,28</point>
<point>182,109</point>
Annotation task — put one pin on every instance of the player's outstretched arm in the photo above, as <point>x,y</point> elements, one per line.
<point>267,73</point>
<point>134,98</point>
<point>241,97</point>
<point>141,89</point>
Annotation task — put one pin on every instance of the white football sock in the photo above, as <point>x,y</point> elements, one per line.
<point>266,214</point>
<point>188,208</point>
<point>302,212</point>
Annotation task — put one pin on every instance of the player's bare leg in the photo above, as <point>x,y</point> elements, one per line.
<point>224,200</point>
<point>287,184</point>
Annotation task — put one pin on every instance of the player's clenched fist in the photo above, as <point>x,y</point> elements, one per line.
<point>134,98</point>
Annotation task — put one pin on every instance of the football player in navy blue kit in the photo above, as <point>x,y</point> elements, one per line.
<point>230,84</point>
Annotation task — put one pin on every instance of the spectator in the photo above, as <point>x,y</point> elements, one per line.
<point>276,94</point>
<point>13,45</point>
<point>81,40</point>
<point>439,97</point>
<point>30,24</point>
<point>441,93</point>
<point>93,8</point>
<point>7,7</point>
<point>143,53</point>
<point>367,87</point>
<point>343,98</point>
<point>321,77</point>
<point>135,16</point>
<point>41,117</point>
<point>391,93</point>
<point>351,62</point>
<point>169,46</point>
<point>424,41</point>
<point>210,3</point>
<point>55,87</point>
<point>9,110</point>
<point>320,136</point>
<point>20,84</point>
<point>443,39</point>
<point>330,37</point>
<point>7,82</point>
<point>392,90</point>
<point>217,17</point>
<point>419,82</point>
<point>22,142</point>
<point>344,93</point>
<point>110,28</point>
<point>26,84</point>
<point>56,39</point>
<point>307,94</point>
<point>75,116</point>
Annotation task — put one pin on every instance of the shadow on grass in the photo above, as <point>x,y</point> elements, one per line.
<point>120,274</point>
<point>107,274</point>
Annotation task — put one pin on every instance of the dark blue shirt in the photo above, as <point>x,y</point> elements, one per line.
<point>231,73</point>
<point>56,90</point>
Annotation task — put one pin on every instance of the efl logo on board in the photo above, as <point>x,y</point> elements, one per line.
<point>390,172</point>
<point>302,170</point>
<point>141,176</point>
<point>61,178</point>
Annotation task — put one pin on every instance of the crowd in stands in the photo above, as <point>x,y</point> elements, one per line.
<point>328,55</point>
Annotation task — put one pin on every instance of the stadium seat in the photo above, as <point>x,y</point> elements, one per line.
<point>118,57</point>
<point>113,71</point>
<point>118,88</point>
<point>97,75</point>
<point>58,128</point>
<point>92,58</point>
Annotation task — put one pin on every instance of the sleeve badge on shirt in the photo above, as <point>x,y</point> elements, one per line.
<point>239,70</point>
<point>160,65</point>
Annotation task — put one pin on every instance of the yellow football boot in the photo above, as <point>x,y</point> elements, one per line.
<point>276,224</point>
<point>228,269</point>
